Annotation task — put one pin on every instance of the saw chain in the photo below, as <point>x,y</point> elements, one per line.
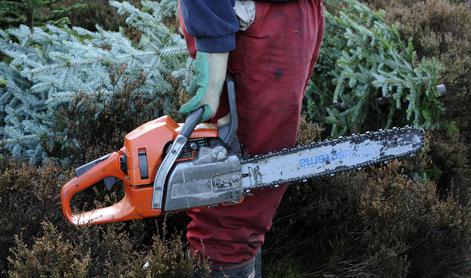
<point>388,136</point>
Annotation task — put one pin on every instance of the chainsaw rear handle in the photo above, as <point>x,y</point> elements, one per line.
<point>121,211</point>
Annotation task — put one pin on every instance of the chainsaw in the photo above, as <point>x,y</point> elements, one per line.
<point>167,167</point>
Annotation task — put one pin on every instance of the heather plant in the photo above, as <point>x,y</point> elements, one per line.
<point>430,233</point>
<point>96,13</point>
<point>364,59</point>
<point>37,240</point>
<point>449,167</point>
<point>35,12</point>
<point>110,255</point>
<point>50,256</point>
<point>409,218</point>
<point>28,196</point>
<point>377,223</point>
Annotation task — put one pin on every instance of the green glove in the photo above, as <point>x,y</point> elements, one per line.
<point>206,87</point>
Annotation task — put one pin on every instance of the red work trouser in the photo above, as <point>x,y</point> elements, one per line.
<point>271,65</point>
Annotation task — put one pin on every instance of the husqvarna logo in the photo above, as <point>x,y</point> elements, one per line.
<point>322,159</point>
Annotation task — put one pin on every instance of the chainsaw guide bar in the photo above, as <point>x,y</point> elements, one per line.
<point>330,157</point>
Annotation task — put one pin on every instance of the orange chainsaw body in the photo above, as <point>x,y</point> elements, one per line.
<point>149,141</point>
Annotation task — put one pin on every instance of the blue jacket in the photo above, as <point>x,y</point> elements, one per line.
<point>212,22</point>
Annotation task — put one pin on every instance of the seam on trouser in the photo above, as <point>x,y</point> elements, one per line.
<point>245,11</point>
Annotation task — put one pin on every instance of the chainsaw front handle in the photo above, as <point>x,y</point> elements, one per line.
<point>191,122</point>
<point>121,211</point>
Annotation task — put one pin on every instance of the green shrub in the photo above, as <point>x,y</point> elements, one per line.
<point>46,68</point>
<point>441,29</point>
<point>363,58</point>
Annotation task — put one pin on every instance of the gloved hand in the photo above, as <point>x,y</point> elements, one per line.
<point>207,84</point>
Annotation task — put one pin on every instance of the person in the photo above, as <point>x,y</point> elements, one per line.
<point>270,48</point>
